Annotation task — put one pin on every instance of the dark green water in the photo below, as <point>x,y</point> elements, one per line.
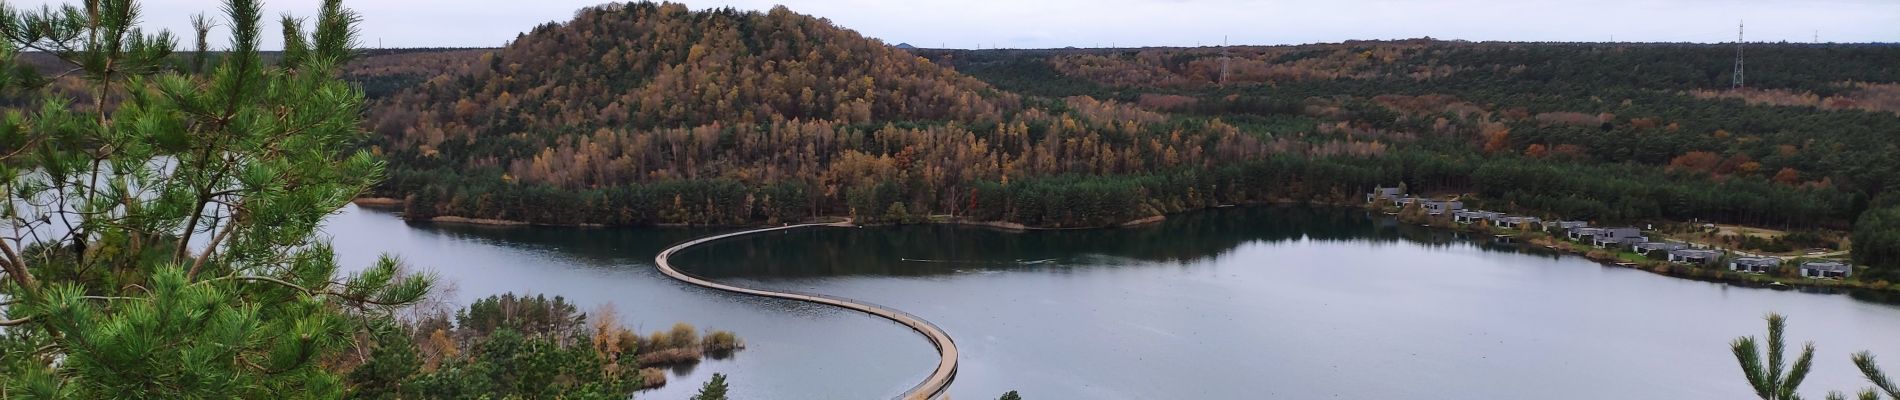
<point>1229,304</point>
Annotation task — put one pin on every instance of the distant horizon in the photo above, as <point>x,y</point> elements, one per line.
<point>1232,45</point>
<point>1351,41</point>
<point>1057,24</point>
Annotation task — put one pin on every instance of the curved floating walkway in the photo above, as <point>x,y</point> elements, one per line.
<point>930,388</point>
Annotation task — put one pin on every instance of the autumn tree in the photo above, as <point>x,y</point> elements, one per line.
<point>1788,176</point>
<point>1536,151</point>
<point>1695,161</point>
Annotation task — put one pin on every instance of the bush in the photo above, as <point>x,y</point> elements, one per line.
<point>721,341</point>
<point>652,378</point>
<point>683,335</point>
<point>680,336</point>
<point>668,357</point>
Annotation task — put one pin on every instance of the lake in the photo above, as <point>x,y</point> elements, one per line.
<point>1245,302</point>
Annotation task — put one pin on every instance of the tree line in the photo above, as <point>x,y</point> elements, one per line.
<point>1619,132</point>
<point>641,113</point>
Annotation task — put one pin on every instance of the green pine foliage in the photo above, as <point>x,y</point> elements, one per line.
<point>1772,378</point>
<point>714,389</point>
<point>163,224</point>
<point>392,363</point>
<point>1871,370</point>
<point>1770,381</point>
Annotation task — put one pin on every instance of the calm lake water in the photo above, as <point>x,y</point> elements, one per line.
<point>1237,303</point>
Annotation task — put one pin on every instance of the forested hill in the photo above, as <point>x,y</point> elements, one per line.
<point>1817,116</point>
<point>1608,132</point>
<point>646,113</point>
<point>653,113</point>
<point>1814,113</point>
<point>645,66</point>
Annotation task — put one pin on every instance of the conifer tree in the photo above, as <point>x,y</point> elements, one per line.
<point>1772,380</point>
<point>160,228</point>
<point>714,389</point>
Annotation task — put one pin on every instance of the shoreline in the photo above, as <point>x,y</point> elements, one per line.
<point>387,203</point>
<point>1537,239</point>
<point>382,202</point>
<point>394,203</point>
<point>1706,274</point>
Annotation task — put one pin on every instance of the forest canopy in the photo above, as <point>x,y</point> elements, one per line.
<point>644,113</point>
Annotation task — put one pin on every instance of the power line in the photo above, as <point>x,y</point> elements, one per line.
<point>1740,38</point>
<point>1223,61</point>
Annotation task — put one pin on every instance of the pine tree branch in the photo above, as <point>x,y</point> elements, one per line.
<point>1799,372</point>
<point>1865,361</point>
<point>308,291</point>
<point>16,269</point>
<point>16,322</point>
<point>30,143</point>
<point>216,239</point>
<point>1748,355</point>
<point>1775,365</point>
<point>212,248</point>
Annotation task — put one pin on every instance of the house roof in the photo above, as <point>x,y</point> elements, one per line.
<point>1768,261</point>
<point>1621,232</point>
<point>1621,240</point>
<point>1695,252</point>
<point>1826,266</point>
<point>1661,246</point>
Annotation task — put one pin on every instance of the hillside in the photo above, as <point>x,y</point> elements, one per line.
<point>1826,123</point>
<point>651,113</point>
<point>645,113</point>
<point>1609,132</point>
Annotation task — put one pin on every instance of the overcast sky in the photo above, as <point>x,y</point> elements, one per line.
<point>1127,23</point>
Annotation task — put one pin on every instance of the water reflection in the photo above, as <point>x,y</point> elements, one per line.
<point>795,350</point>
<point>601,244</point>
<point>1270,302</point>
<point>924,250</point>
